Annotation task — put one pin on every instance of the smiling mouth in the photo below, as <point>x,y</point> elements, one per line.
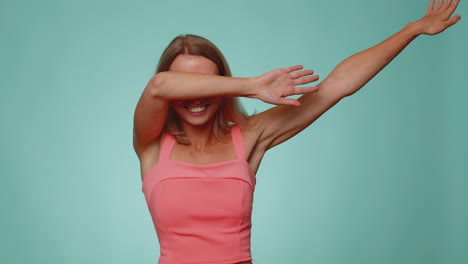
<point>196,108</point>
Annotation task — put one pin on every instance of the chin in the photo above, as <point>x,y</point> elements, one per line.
<point>198,122</point>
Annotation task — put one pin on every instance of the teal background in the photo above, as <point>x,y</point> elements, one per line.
<point>379,178</point>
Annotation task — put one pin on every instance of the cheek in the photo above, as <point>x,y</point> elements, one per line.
<point>216,106</point>
<point>176,104</point>
<point>216,101</point>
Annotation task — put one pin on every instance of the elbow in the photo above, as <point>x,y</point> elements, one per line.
<point>347,92</point>
<point>157,84</point>
<point>352,89</point>
<point>342,86</point>
<point>348,88</point>
<point>344,90</point>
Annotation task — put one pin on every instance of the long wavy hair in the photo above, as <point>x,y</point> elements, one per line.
<point>230,111</point>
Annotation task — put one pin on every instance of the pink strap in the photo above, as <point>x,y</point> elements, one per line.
<point>167,145</point>
<point>238,142</point>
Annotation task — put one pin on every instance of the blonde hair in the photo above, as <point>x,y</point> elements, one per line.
<point>229,112</point>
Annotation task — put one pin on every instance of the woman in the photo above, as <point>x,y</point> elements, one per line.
<point>199,152</point>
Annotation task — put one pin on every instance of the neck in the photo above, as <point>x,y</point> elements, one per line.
<point>200,136</point>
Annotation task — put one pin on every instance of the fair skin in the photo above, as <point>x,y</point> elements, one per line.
<point>204,147</point>
<point>192,84</point>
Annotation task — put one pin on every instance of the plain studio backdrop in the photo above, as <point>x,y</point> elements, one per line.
<point>379,178</point>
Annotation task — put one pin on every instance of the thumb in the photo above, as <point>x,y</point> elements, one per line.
<point>289,101</point>
<point>453,20</point>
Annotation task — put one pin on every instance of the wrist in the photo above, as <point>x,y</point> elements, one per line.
<point>250,87</point>
<point>414,28</point>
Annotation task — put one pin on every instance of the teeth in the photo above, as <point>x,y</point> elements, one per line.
<point>196,109</point>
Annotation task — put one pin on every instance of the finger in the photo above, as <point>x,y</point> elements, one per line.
<point>289,101</point>
<point>430,7</point>
<point>439,4</point>
<point>306,80</point>
<point>445,4</point>
<point>299,74</point>
<point>293,68</point>
<point>453,20</point>
<point>452,7</point>
<point>305,90</point>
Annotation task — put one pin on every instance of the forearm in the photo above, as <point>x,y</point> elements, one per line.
<point>185,86</point>
<point>354,72</point>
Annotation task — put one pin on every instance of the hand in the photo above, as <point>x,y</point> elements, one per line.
<point>273,86</point>
<point>437,18</point>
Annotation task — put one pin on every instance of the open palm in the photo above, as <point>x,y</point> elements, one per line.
<point>275,85</point>
<point>438,17</point>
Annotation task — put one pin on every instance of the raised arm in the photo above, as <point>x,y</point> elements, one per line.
<point>152,108</point>
<point>353,73</point>
<point>282,122</point>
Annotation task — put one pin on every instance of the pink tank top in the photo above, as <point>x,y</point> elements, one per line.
<point>201,213</point>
